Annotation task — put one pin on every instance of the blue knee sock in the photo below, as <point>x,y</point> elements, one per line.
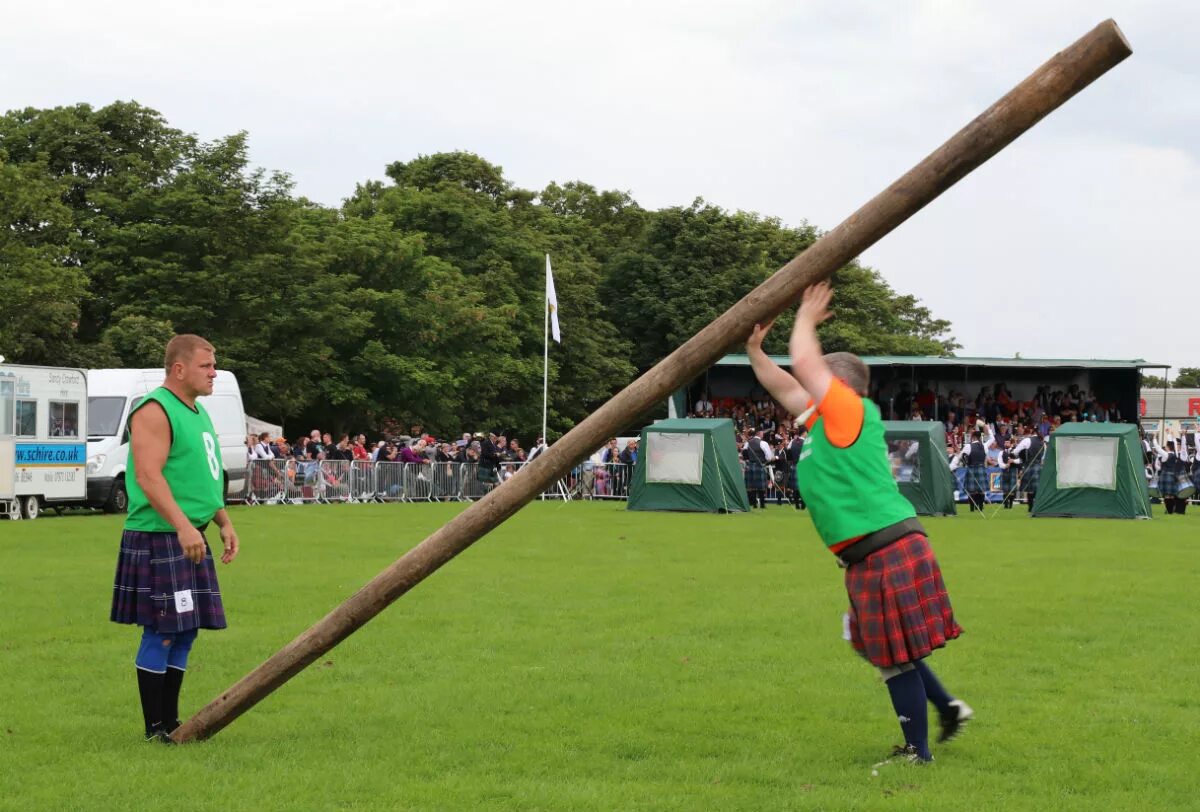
<point>153,651</point>
<point>177,656</point>
<point>908,698</point>
<point>937,694</point>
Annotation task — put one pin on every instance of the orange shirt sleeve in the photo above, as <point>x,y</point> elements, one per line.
<point>842,411</point>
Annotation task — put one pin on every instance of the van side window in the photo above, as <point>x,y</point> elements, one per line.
<point>7,390</point>
<point>64,418</point>
<point>133,404</point>
<point>26,418</point>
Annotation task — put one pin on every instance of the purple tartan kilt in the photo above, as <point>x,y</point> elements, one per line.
<point>899,609</point>
<point>150,570</point>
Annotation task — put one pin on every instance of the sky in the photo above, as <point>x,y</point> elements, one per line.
<point>1080,240</point>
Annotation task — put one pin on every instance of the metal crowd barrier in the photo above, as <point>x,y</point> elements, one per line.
<point>609,480</point>
<point>291,481</point>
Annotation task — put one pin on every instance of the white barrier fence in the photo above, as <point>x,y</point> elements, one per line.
<point>290,481</point>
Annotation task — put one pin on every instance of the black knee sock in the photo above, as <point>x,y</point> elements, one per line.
<point>1030,497</point>
<point>1180,507</point>
<point>908,699</point>
<point>150,688</point>
<point>934,690</point>
<point>172,682</point>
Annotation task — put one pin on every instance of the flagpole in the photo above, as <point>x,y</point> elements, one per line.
<point>545,353</point>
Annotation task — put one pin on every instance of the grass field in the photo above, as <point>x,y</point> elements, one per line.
<point>585,658</point>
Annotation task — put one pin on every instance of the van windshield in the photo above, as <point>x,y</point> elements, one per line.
<point>104,416</point>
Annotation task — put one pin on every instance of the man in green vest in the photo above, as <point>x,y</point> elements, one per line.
<point>166,581</point>
<point>899,609</point>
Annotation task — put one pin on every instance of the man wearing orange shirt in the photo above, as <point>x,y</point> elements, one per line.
<point>899,609</point>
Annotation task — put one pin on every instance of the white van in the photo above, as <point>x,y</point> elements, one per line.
<point>113,393</point>
<point>42,414</point>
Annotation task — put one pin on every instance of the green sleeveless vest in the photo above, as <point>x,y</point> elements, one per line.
<point>850,491</point>
<point>193,469</point>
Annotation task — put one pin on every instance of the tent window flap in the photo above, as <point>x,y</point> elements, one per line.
<point>1086,462</point>
<point>674,458</point>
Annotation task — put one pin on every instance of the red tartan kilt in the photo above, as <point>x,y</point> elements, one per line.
<point>899,609</point>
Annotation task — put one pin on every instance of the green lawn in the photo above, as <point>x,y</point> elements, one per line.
<point>582,657</point>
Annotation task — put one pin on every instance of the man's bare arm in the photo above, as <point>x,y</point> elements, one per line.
<point>786,390</point>
<point>150,441</point>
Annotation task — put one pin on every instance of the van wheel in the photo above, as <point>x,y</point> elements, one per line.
<point>30,507</point>
<point>118,500</point>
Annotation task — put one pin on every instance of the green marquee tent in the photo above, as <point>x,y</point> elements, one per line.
<point>688,464</point>
<point>1093,469</point>
<point>917,454</point>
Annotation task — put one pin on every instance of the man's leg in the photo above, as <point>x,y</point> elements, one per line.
<point>954,713</point>
<point>151,665</point>
<point>177,658</point>
<point>908,699</point>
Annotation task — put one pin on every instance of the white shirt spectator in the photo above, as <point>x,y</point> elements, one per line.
<point>262,451</point>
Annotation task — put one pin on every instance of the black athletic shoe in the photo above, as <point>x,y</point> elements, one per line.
<point>954,719</point>
<point>904,754</point>
<point>159,733</point>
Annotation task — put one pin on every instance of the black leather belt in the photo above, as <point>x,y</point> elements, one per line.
<point>873,542</point>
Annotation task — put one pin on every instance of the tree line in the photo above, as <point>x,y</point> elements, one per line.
<point>419,299</point>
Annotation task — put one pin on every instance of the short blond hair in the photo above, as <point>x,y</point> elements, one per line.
<point>181,348</point>
<point>851,369</point>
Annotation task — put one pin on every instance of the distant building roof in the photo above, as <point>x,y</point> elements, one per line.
<point>739,360</point>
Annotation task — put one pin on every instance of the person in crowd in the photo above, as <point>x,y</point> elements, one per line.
<point>1172,473</point>
<point>755,456</point>
<point>536,451</point>
<point>791,456</point>
<point>1010,472</point>
<point>1031,451</point>
<point>490,450</point>
<point>414,455</point>
<point>975,461</point>
<point>515,452</point>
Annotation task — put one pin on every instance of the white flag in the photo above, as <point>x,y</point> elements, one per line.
<point>552,302</point>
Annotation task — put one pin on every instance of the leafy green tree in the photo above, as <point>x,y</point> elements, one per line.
<point>418,301</point>
<point>486,311</point>
<point>104,160</point>
<point>1188,378</point>
<point>691,264</point>
<point>1154,382</point>
<point>40,287</point>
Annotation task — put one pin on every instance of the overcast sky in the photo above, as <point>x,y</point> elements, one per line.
<point>1079,240</point>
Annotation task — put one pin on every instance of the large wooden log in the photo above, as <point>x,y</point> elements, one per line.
<point>1049,86</point>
